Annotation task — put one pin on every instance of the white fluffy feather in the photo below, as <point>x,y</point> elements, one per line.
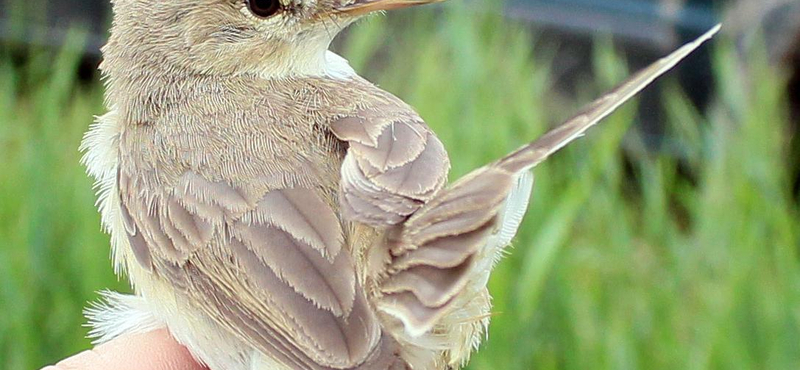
<point>118,314</point>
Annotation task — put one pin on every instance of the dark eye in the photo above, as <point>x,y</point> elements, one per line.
<point>264,8</point>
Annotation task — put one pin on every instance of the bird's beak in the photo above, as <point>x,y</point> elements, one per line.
<point>360,7</point>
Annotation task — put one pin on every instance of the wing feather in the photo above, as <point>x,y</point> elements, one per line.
<point>392,167</point>
<point>398,144</point>
<point>270,268</point>
<point>534,153</point>
<point>455,236</point>
<point>304,218</point>
<point>301,267</point>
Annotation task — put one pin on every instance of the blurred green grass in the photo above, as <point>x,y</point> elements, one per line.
<point>627,258</point>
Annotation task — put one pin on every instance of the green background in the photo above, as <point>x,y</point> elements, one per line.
<point>628,258</point>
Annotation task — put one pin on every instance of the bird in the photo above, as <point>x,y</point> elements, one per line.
<point>276,211</point>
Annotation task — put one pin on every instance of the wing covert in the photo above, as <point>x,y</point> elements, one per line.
<point>392,167</point>
<point>271,267</point>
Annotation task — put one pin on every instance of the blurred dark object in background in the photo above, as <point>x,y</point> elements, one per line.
<point>642,26</point>
<point>777,22</point>
<point>44,22</point>
<point>643,29</point>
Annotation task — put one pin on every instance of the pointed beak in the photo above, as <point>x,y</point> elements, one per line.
<point>360,7</point>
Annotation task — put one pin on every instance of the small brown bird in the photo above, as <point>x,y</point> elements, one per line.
<point>275,211</point>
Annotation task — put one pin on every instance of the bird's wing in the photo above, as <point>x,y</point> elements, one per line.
<point>447,243</point>
<point>534,153</point>
<point>394,164</point>
<point>269,267</point>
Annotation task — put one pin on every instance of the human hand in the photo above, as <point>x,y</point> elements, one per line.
<point>155,350</point>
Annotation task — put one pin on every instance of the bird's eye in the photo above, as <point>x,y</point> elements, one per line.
<point>264,8</point>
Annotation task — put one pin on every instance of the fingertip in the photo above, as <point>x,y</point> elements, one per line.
<point>155,350</point>
<point>88,359</point>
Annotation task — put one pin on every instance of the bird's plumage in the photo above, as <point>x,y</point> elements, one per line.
<point>238,209</point>
<point>301,222</point>
<point>393,165</point>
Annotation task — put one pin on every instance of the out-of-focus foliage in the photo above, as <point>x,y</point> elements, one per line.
<point>627,259</point>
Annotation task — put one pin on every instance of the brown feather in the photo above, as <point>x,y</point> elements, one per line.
<point>534,153</point>
<point>386,178</point>
<point>257,200</point>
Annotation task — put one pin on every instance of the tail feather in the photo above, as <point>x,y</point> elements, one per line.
<point>451,243</point>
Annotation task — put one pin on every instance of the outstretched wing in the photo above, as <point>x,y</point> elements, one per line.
<point>450,242</point>
<point>534,153</point>
<point>271,266</point>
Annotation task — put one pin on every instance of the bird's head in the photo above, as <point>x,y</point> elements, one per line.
<point>224,37</point>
